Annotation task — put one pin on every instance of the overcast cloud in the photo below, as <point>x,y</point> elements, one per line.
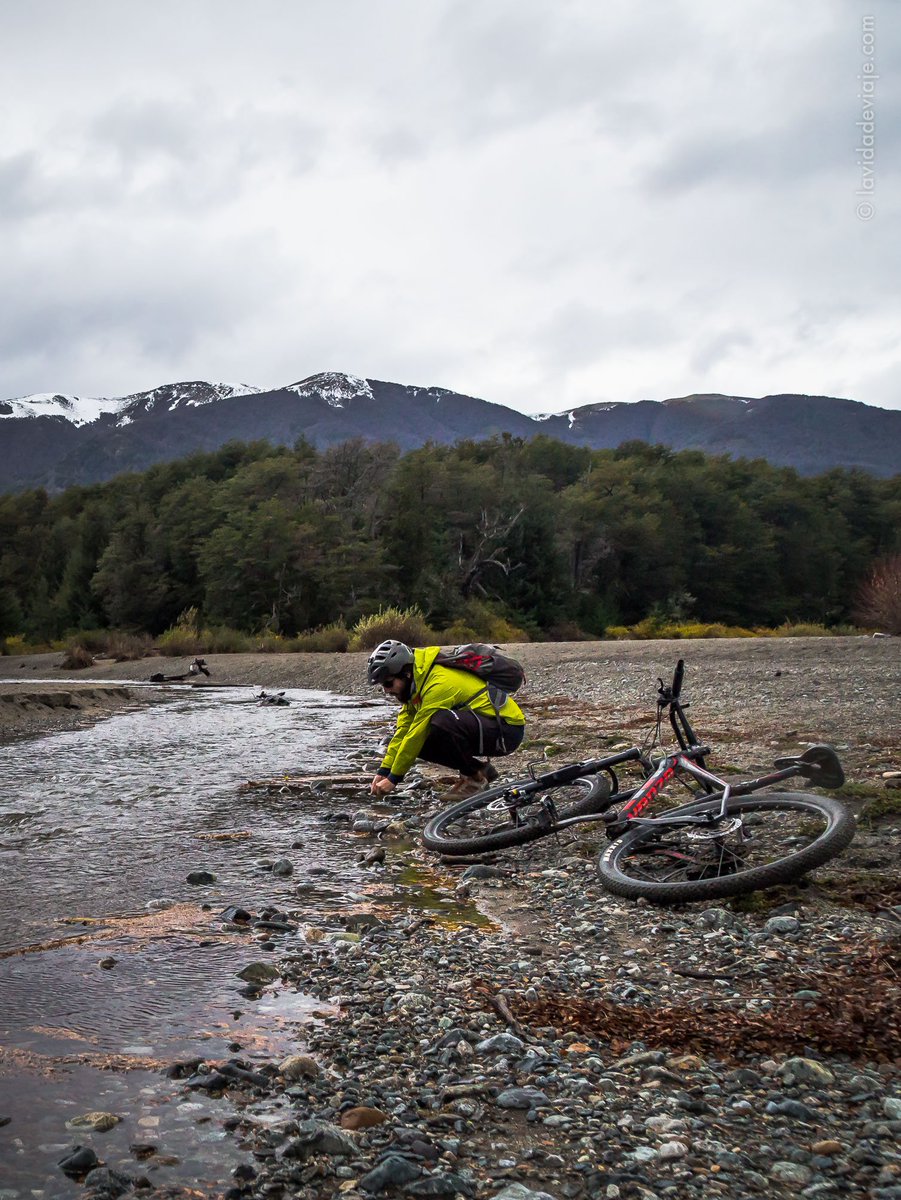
<point>545,204</point>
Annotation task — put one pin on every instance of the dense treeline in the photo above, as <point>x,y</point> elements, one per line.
<point>554,537</point>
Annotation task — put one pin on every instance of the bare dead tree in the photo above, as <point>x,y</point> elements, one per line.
<point>879,600</point>
<point>490,550</point>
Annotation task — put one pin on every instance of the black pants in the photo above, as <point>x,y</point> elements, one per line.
<point>456,736</point>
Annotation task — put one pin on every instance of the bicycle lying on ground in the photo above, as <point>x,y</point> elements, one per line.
<point>727,840</point>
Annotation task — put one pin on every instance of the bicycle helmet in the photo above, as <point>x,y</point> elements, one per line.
<point>388,660</point>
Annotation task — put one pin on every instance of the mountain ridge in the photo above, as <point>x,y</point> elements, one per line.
<point>55,440</point>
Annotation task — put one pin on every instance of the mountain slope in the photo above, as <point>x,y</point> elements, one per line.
<point>55,440</point>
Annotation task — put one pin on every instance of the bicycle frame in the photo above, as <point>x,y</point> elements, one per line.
<point>690,759</point>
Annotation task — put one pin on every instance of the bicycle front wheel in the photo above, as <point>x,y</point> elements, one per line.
<point>759,842</point>
<point>511,815</point>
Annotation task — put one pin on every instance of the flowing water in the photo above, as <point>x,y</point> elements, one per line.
<point>99,829</point>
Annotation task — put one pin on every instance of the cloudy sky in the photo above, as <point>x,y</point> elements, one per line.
<point>545,203</point>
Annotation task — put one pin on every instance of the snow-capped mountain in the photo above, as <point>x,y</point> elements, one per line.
<point>82,410</point>
<point>54,440</point>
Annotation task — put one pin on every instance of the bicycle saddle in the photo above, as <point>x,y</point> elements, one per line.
<point>820,764</point>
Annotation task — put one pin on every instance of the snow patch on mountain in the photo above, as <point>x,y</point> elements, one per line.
<point>83,410</point>
<point>334,387</point>
<point>171,396</point>
<point>80,410</point>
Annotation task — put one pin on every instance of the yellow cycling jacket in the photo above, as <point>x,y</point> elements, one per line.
<point>434,688</point>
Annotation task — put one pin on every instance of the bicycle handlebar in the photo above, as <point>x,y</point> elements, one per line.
<point>678,675</point>
<point>666,694</point>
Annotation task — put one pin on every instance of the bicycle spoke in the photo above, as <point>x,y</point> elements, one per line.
<point>728,847</point>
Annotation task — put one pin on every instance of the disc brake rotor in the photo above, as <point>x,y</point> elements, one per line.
<point>715,833</point>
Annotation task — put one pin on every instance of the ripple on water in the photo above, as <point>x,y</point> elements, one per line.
<point>106,821</point>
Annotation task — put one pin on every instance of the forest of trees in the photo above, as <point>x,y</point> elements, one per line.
<point>553,537</point>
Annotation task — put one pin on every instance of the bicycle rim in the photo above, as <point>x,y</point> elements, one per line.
<point>497,818</point>
<point>761,841</point>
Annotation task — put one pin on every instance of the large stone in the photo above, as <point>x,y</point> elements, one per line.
<point>806,1070</point>
<point>501,1043</point>
<point>319,1137</point>
<point>78,1161</point>
<point>259,972</point>
<point>198,878</point>
<point>518,1191</point>
<point>780,926</point>
<point>522,1097</point>
<point>790,1172</point>
<point>104,1183</point>
<point>299,1066</point>
<point>392,1172</point>
<point>362,1117</point>
<point>415,1002</point>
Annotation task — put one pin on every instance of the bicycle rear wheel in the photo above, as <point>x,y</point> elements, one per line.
<point>761,841</point>
<point>511,815</point>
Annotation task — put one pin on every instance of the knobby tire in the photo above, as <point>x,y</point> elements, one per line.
<point>615,866</point>
<point>454,831</point>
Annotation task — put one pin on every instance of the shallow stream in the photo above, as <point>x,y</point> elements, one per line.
<point>99,829</point>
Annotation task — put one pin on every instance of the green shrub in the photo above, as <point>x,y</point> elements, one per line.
<point>404,624</point>
<point>327,639</point>
<point>801,629</point>
<point>126,647</point>
<point>568,631</point>
<point>179,640</point>
<point>654,627</point>
<point>701,629</point>
<point>222,639</point>
<point>268,642</point>
<point>77,657</point>
<point>479,622</point>
<point>647,629</point>
<point>94,640</point>
<point>82,648</point>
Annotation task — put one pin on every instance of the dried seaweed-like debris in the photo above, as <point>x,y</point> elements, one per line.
<point>858,1013</point>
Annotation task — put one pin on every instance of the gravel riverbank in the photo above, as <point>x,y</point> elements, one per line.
<point>553,1039</point>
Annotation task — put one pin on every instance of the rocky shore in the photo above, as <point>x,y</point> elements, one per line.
<point>523,1032</point>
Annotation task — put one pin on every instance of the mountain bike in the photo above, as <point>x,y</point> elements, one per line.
<point>728,838</point>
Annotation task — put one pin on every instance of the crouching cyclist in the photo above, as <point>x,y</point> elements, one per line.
<point>447,716</point>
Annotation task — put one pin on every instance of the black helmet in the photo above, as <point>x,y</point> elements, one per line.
<point>388,660</point>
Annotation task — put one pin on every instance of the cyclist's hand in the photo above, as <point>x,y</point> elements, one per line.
<point>381,786</point>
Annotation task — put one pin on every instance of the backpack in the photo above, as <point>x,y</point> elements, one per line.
<point>501,674</point>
